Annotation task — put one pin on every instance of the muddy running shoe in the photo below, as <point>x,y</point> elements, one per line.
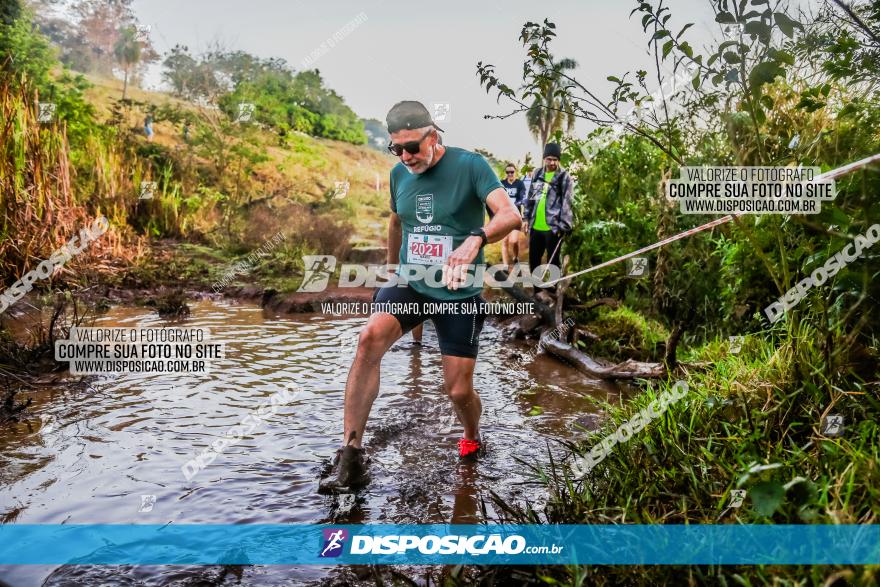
<point>469,449</point>
<point>349,471</point>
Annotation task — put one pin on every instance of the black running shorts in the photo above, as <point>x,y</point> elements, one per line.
<point>458,323</point>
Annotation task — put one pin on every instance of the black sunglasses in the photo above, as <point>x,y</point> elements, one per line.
<point>411,147</point>
<point>511,171</point>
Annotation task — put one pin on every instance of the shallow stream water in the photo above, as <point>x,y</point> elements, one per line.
<point>112,453</point>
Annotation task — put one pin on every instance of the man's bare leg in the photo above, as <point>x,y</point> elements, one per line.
<point>417,333</point>
<point>505,252</point>
<point>458,379</point>
<point>362,387</point>
<point>514,244</point>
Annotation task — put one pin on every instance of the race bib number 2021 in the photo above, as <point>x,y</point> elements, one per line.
<point>426,249</point>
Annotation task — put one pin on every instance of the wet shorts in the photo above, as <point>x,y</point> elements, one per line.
<point>457,323</point>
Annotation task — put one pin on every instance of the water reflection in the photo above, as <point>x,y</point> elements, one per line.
<point>92,455</point>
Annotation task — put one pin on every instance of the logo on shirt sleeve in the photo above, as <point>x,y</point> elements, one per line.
<point>425,208</point>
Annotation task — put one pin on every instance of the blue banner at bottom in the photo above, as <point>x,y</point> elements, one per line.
<point>259,544</point>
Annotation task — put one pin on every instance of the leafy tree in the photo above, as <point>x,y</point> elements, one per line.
<point>178,71</point>
<point>288,101</point>
<point>88,41</point>
<point>376,132</point>
<point>767,93</point>
<point>24,54</point>
<point>282,99</point>
<point>101,23</point>
<point>844,42</point>
<point>192,79</point>
<point>777,88</point>
<point>550,110</point>
<point>9,11</point>
<point>128,53</point>
<point>241,67</point>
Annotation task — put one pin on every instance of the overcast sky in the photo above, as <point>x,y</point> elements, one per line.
<point>425,51</point>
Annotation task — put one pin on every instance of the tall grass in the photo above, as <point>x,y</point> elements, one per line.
<point>35,184</point>
<point>753,421</point>
<point>43,199</point>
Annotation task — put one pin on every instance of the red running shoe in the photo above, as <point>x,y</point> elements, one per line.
<point>469,449</point>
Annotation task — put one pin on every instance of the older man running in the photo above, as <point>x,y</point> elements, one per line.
<point>438,198</point>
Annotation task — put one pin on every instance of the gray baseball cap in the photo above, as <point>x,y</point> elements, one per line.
<point>407,115</point>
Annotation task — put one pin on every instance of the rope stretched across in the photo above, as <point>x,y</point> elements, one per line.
<point>834,173</point>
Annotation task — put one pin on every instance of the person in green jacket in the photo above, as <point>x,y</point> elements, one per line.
<point>548,215</point>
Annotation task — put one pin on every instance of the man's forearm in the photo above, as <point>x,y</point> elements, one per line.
<point>502,223</point>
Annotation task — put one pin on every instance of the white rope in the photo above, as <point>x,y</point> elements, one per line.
<point>834,173</point>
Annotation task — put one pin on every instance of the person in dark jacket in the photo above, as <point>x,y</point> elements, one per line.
<point>547,217</point>
<point>516,190</point>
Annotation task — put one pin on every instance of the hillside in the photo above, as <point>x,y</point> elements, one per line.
<point>311,166</point>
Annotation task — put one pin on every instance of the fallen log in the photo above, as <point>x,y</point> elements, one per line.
<point>521,326</point>
<point>628,369</point>
<point>546,313</point>
<point>550,316</point>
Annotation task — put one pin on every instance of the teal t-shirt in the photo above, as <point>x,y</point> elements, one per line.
<point>437,209</point>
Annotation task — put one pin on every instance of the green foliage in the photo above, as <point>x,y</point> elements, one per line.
<point>283,100</point>
<point>10,10</point>
<point>190,78</point>
<point>29,64</point>
<point>24,54</point>
<point>377,134</point>
<point>745,424</point>
<point>213,186</point>
<point>611,210</point>
<point>772,91</point>
<point>550,110</point>
<point>624,334</point>
<point>127,51</point>
<point>844,42</point>
<point>749,104</point>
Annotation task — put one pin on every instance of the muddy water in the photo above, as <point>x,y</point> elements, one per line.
<point>91,456</point>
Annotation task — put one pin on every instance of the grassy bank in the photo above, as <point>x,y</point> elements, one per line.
<point>749,422</point>
<point>183,208</point>
<point>324,196</point>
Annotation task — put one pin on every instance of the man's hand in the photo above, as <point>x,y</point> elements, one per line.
<point>455,269</point>
<point>525,226</point>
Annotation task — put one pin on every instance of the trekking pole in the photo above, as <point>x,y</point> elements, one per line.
<point>550,260</point>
